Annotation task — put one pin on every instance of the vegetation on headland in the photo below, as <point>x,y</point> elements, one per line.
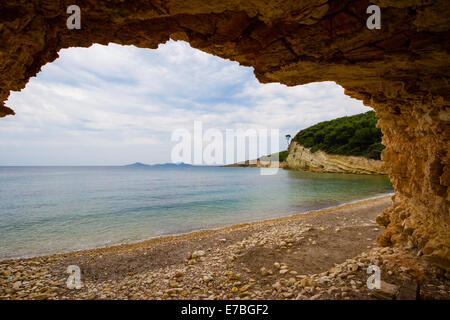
<point>282,155</point>
<point>354,135</point>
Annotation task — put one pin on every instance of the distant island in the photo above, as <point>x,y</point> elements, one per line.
<point>139,164</point>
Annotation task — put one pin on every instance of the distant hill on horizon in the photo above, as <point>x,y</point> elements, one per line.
<point>140,164</point>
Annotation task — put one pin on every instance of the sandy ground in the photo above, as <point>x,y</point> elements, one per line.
<point>322,254</point>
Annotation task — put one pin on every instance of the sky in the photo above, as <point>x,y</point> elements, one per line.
<point>114,105</point>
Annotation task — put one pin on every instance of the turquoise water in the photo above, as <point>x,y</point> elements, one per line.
<point>55,209</point>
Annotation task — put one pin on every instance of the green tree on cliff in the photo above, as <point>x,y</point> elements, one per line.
<point>355,135</point>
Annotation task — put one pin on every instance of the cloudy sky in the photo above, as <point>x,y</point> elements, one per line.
<point>113,105</point>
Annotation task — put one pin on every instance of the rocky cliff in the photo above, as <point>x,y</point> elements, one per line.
<point>401,70</point>
<point>301,158</point>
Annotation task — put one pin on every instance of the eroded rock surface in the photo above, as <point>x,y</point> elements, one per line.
<point>301,158</point>
<point>401,70</point>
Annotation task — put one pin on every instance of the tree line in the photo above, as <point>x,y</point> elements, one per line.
<point>354,135</point>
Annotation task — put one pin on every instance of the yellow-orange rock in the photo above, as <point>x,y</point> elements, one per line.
<point>301,158</point>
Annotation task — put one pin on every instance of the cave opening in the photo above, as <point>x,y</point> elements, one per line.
<point>118,105</point>
<point>401,70</point>
<point>123,95</point>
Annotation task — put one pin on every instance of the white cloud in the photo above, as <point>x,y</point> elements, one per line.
<point>117,104</point>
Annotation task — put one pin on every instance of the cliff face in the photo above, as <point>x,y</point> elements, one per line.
<point>301,158</point>
<point>401,70</point>
<point>418,163</point>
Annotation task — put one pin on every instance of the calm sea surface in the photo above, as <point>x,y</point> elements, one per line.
<point>55,209</point>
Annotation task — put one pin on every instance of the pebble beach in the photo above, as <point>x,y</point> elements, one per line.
<point>322,254</point>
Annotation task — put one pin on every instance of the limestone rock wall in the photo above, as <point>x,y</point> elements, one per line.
<point>401,70</point>
<point>301,158</point>
<point>418,163</point>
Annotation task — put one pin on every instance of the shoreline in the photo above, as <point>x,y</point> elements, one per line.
<point>320,254</point>
<point>197,232</point>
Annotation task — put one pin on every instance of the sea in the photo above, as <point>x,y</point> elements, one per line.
<point>46,210</point>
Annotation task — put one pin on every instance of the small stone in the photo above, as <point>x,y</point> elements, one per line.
<point>315,297</point>
<point>197,254</point>
<point>306,282</point>
<point>245,287</point>
<point>16,285</point>
<point>276,286</point>
<point>179,274</point>
<point>354,267</point>
<point>387,291</point>
<point>233,276</point>
<point>266,272</point>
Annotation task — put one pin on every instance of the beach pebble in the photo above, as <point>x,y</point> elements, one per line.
<point>17,284</point>
<point>266,272</point>
<point>197,254</point>
<point>207,278</point>
<point>179,274</point>
<point>245,287</point>
<point>217,276</point>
